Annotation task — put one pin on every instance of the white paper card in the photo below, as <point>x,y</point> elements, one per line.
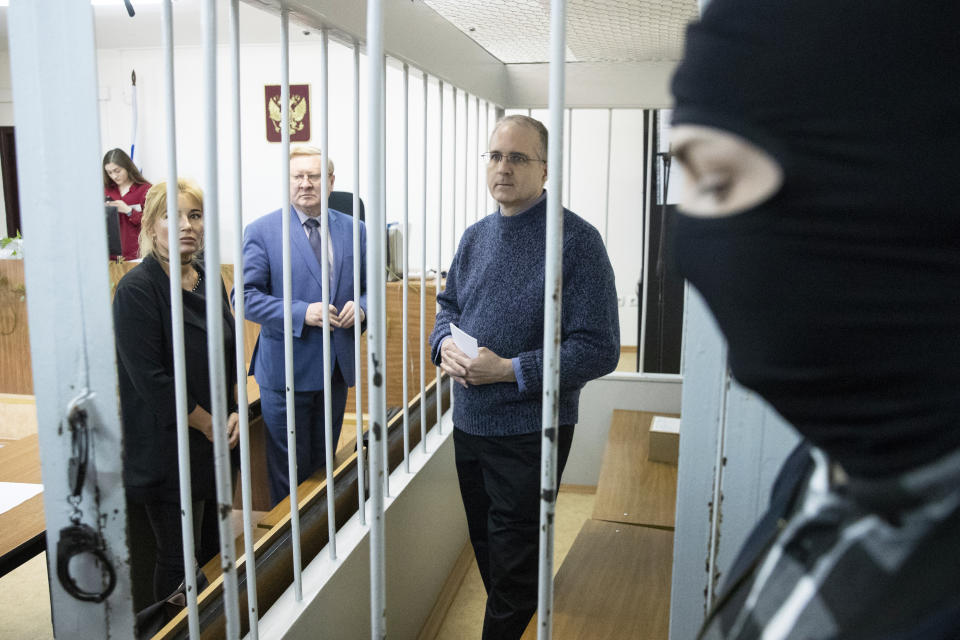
<point>13,494</point>
<point>464,341</point>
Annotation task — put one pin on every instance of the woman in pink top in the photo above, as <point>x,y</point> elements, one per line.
<point>126,189</point>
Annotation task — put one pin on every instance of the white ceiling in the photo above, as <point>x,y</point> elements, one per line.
<point>518,31</point>
<point>513,31</point>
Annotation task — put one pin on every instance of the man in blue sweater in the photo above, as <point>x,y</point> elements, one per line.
<point>494,291</point>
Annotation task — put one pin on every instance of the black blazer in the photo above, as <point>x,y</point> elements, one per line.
<point>141,315</point>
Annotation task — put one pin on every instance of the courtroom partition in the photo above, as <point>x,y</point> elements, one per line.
<point>16,372</point>
<point>273,555</point>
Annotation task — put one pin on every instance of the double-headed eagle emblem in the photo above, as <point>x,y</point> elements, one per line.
<point>298,110</point>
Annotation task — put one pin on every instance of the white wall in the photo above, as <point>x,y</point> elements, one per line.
<point>262,162</point>
<point>598,400</point>
<point>619,217</point>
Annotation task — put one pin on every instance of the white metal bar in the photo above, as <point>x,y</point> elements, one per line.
<point>423,278</point>
<point>214,302</point>
<point>376,326</point>
<point>439,235</point>
<point>484,194</point>
<point>466,171</point>
<point>553,290</point>
<point>405,356</point>
<point>453,188</point>
<point>71,328</point>
<point>478,203</point>
<point>358,390</point>
<point>606,206</point>
<point>383,187</point>
<point>453,208</point>
<point>325,268</point>
<point>176,318</point>
<point>569,155</point>
<point>246,488</point>
<point>288,302</point>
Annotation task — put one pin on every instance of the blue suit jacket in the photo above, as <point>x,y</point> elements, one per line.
<point>263,296</point>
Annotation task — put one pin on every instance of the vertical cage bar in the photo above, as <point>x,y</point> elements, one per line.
<point>376,326</point>
<point>466,171</point>
<point>358,389</point>
<point>569,155</point>
<point>553,289</point>
<point>72,342</point>
<point>606,206</point>
<point>453,206</point>
<point>439,235</point>
<point>176,318</point>
<point>453,172</point>
<point>325,269</point>
<point>405,356</point>
<point>485,198</point>
<point>246,489</point>
<point>288,302</point>
<point>214,301</point>
<point>383,190</point>
<point>478,204</point>
<point>423,277</point>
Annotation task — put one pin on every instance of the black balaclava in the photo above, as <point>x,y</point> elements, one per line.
<point>840,294</point>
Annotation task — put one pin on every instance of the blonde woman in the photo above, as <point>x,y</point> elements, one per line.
<point>141,310</point>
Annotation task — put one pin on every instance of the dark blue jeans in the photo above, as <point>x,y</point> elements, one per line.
<point>500,486</point>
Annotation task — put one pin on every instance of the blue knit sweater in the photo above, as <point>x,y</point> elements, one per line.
<point>494,292</point>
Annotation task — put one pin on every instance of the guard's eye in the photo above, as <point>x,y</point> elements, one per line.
<point>722,173</point>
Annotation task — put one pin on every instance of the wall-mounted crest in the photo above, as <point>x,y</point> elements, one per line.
<point>299,112</point>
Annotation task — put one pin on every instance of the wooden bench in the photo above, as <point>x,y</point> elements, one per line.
<point>615,581</point>
<point>631,488</point>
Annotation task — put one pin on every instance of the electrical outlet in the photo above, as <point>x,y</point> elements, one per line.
<point>632,301</point>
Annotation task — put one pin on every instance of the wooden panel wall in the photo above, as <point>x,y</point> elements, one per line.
<point>16,373</point>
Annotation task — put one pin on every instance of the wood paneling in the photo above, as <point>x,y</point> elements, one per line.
<point>614,584</point>
<point>16,374</point>
<point>394,301</point>
<point>631,488</point>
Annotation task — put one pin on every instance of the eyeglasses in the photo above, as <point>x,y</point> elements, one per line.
<point>515,159</point>
<point>314,178</point>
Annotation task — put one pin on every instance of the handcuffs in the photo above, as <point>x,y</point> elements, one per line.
<point>79,538</point>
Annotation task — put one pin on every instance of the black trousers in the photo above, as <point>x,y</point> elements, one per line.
<point>500,486</point>
<point>164,518</point>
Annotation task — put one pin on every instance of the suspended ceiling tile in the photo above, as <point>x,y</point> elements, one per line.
<point>518,31</point>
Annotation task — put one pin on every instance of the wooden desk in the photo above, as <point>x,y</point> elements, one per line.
<point>21,528</point>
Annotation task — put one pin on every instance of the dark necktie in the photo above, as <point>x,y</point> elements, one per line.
<point>313,236</point>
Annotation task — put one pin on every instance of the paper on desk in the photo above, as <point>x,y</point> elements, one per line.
<point>464,341</point>
<point>13,494</point>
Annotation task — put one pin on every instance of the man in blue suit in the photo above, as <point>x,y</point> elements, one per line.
<point>263,291</point>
